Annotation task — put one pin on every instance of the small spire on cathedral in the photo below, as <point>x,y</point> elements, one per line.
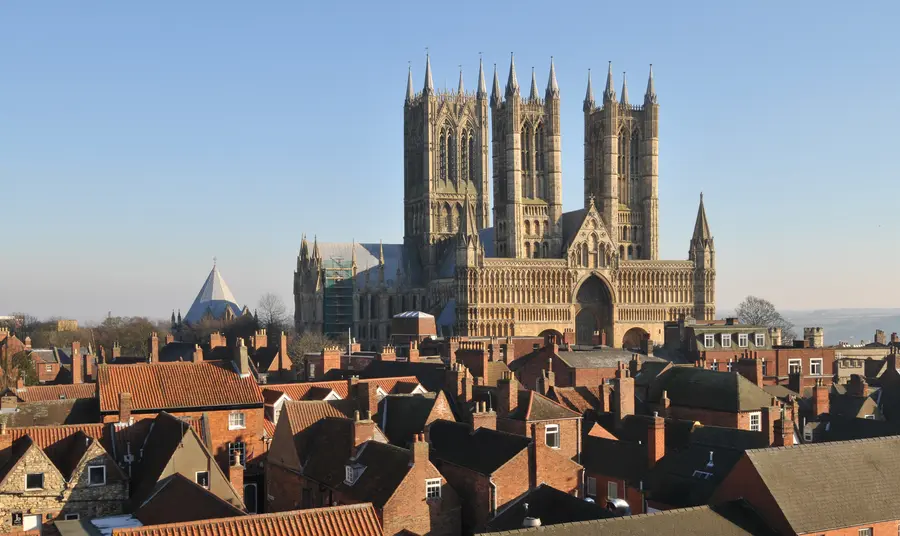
<point>589,95</point>
<point>409,86</point>
<point>304,248</point>
<point>701,227</point>
<point>624,90</point>
<point>609,95</point>
<point>429,85</point>
<point>353,253</point>
<point>534,90</point>
<point>495,90</point>
<point>315,252</point>
<point>552,86</point>
<point>650,96</point>
<point>512,83</point>
<point>380,253</point>
<point>461,89</point>
<point>482,90</point>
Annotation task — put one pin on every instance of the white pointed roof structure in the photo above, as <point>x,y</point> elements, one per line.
<point>215,299</point>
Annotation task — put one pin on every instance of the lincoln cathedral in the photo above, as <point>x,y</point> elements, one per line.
<point>536,269</point>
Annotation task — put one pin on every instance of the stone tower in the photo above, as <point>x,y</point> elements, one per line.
<point>445,139</point>
<point>703,254</point>
<point>527,168</point>
<point>621,155</point>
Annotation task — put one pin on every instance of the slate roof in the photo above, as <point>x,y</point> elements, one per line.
<point>551,506</point>
<point>430,375</point>
<point>725,437</point>
<point>353,520</point>
<point>177,351</point>
<point>386,467</point>
<point>483,451</point>
<point>684,478</point>
<point>634,428</point>
<point>838,428</point>
<point>155,386</point>
<point>301,391</point>
<point>37,393</point>
<point>44,355</point>
<point>166,503</point>
<point>601,358</point>
<point>779,391</point>
<point>734,518</point>
<point>533,406</point>
<point>702,388</point>
<point>618,459</point>
<point>214,298</point>
<point>828,468</point>
<point>403,416</point>
<point>848,405</point>
<point>649,371</point>
<point>53,412</point>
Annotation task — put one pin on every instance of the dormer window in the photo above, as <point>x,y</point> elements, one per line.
<point>709,340</point>
<point>726,340</point>
<point>352,472</point>
<point>742,340</point>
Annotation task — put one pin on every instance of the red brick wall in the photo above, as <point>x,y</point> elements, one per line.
<point>554,468</point>
<point>284,487</point>
<point>409,510</point>
<point>593,377</point>
<point>569,436</point>
<point>220,435</point>
<point>565,376</point>
<point>632,496</point>
<point>743,482</point>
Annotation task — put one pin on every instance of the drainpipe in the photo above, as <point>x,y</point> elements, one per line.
<point>493,496</point>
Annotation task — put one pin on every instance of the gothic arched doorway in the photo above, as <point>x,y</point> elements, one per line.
<point>633,337</point>
<point>593,306</point>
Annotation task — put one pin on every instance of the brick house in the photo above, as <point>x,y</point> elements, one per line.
<point>490,469</point>
<point>831,489</point>
<point>778,364</point>
<point>353,520</point>
<point>572,368</point>
<point>338,460</point>
<point>56,473</point>
<point>694,338</point>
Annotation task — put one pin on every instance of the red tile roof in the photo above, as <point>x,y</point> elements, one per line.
<point>40,393</point>
<point>301,391</point>
<point>176,386</point>
<point>305,413</point>
<point>580,399</point>
<point>353,520</point>
<point>45,436</point>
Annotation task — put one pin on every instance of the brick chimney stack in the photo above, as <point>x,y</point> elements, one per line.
<point>170,338</point>
<point>509,351</point>
<point>259,339</point>
<point>482,418</point>
<point>216,340</point>
<point>820,397</point>
<point>656,440</point>
<point>154,348</point>
<point>284,360</point>
<point>751,368</point>
<point>624,387</point>
<point>634,366</point>
<point>546,381</point>
<point>413,351</point>
<point>241,358</point>
<point>507,394</point>
<point>895,339</point>
<point>125,407</point>
<point>665,403</point>
<point>197,354</point>
<point>606,398</point>
<point>363,430</point>
<point>419,452</point>
<point>388,353</point>
<point>367,398</point>
<point>880,337</point>
<point>236,474</point>
<point>77,363</point>
<point>784,432</point>
<point>331,359</point>
<point>857,386</point>
<point>116,351</point>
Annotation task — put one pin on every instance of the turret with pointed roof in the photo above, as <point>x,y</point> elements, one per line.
<point>702,238</point>
<point>609,94</point>
<point>410,94</point>
<point>429,85</point>
<point>533,95</point>
<point>495,89</point>
<point>552,86</point>
<point>512,83</point>
<point>461,89</point>
<point>482,90</point>
<point>650,95</point>
<point>589,95</point>
<point>703,254</point>
<point>624,98</point>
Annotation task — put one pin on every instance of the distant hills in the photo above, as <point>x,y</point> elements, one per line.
<point>850,325</point>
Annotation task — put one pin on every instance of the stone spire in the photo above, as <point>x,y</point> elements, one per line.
<point>512,83</point>
<point>304,248</point>
<point>315,252</point>
<point>495,90</point>
<point>624,99</point>
<point>609,94</point>
<point>482,90</point>
<point>589,95</point>
<point>701,228</point>
<point>552,86</point>
<point>534,90</point>
<point>409,86</point>
<point>429,85</point>
<point>380,253</point>
<point>461,89</point>
<point>353,254</point>
<point>650,95</point>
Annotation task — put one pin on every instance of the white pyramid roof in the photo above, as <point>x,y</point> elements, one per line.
<point>214,297</point>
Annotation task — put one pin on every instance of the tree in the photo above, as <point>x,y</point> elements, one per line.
<point>760,312</point>
<point>272,314</point>
<point>309,342</point>
<point>18,364</point>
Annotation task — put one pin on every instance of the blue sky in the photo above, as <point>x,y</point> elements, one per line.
<point>140,140</point>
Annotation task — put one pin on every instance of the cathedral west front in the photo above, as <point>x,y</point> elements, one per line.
<point>521,266</point>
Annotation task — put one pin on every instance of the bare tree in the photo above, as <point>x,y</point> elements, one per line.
<point>272,314</point>
<point>760,312</point>
<point>309,342</point>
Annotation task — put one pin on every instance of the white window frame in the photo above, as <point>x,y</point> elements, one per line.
<point>743,340</point>
<point>865,532</point>
<point>93,468</point>
<point>758,426</point>
<point>71,517</point>
<point>612,490</point>
<point>552,430</point>
<point>48,368</point>
<point>590,486</point>
<point>34,489</point>
<point>765,367</point>
<point>233,447</point>
<point>312,370</point>
<point>812,366</point>
<point>759,339</point>
<point>795,363</point>
<point>709,340</point>
<point>869,416</point>
<point>726,340</point>
<point>197,479</point>
<point>237,420</point>
<point>433,488</point>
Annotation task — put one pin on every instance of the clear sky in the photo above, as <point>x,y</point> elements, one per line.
<point>138,140</point>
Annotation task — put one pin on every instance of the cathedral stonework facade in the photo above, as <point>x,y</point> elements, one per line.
<point>537,269</point>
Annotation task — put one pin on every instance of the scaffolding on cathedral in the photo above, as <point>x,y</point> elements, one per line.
<point>337,296</point>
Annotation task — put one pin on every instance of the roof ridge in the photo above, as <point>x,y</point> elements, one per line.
<point>809,446</point>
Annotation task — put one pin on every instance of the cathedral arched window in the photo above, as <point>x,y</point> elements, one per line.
<point>539,145</point>
<point>527,227</point>
<point>448,219</point>
<point>625,236</point>
<point>473,157</point>
<point>634,167</point>
<point>537,250</point>
<point>623,171</point>
<point>630,252</point>
<point>528,249</point>
<point>638,251</point>
<point>452,148</point>
<point>621,252</point>
<point>464,158</point>
<point>443,144</point>
<point>546,248</point>
<point>459,220</point>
